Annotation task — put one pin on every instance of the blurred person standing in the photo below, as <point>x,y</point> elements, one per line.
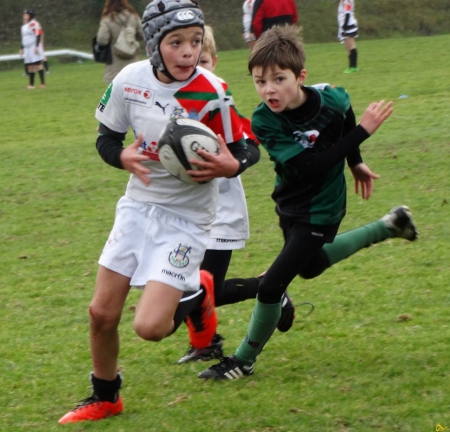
<point>268,13</point>
<point>32,50</point>
<point>45,60</point>
<point>117,14</point>
<point>247,12</point>
<point>348,31</point>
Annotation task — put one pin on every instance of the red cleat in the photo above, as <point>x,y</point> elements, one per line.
<point>92,409</point>
<point>202,322</point>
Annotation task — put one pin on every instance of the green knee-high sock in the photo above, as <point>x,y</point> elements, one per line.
<point>263,322</point>
<point>349,242</point>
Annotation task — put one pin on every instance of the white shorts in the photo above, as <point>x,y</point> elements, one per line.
<point>148,243</point>
<point>225,244</point>
<point>351,32</point>
<point>29,56</point>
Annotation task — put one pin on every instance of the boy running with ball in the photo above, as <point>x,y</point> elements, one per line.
<point>162,225</point>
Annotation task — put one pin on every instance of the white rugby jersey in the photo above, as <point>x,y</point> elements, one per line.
<point>346,7</point>
<point>29,32</point>
<point>137,99</point>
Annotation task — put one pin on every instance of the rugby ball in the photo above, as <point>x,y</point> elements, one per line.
<point>178,143</point>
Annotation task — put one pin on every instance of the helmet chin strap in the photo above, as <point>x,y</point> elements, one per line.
<point>168,74</point>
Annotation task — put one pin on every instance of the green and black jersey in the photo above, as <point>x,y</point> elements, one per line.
<point>308,146</point>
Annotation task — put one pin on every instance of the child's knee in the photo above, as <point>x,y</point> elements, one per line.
<point>152,331</point>
<point>101,320</point>
<point>309,273</point>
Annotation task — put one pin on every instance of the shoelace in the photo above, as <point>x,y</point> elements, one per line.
<point>311,308</point>
<point>225,364</point>
<point>87,401</point>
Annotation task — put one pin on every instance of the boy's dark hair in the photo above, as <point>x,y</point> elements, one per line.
<point>30,12</point>
<point>279,46</point>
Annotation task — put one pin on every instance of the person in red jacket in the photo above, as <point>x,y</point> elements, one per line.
<point>268,13</point>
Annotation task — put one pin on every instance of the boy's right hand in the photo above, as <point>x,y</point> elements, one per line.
<point>131,161</point>
<point>375,115</point>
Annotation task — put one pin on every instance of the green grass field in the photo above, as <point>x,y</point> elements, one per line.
<point>373,355</point>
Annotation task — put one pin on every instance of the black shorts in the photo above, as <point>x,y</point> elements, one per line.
<point>310,232</point>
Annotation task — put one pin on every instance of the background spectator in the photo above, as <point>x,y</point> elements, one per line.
<point>247,12</point>
<point>115,15</point>
<point>268,13</point>
<point>31,47</point>
<point>348,31</point>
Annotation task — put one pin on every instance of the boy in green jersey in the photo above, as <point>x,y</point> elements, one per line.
<point>309,133</point>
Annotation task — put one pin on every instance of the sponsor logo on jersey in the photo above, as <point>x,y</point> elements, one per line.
<point>306,139</point>
<point>150,150</point>
<point>220,240</point>
<point>137,95</point>
<point>179,256</point>
<point>173,274</point>
<point>105,98</point>
<point>162,107</point>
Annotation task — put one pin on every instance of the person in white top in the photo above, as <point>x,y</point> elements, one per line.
<point>31,47</point>
<point>348,31</point>
<point>162,225</point>
<point>247,13</point>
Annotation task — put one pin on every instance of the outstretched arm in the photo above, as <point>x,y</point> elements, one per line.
<point>375,115</point>
<point>315,165</point>
<point>364,178</point>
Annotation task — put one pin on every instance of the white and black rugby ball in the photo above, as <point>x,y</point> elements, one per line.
<point>179,142</point>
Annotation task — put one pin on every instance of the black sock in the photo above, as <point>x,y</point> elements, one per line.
<point>31,75</point>
<point>217,263</point>
<point>46,65</point>
<point>237,290</point>
<point>106,390</point>
<point>41,76</point>
<point>353,58</point>
<point>187,304</point>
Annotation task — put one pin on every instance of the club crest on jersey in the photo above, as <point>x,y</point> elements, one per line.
<point>306,139</point>
<point>177,113</point>
<point>179,256</point>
